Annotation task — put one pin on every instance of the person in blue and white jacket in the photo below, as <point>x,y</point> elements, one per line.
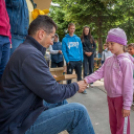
<point>56,53</point>
<point>73,52</point>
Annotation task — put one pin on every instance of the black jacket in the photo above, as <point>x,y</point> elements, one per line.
<point>88,46</point>
<point>26,81</point>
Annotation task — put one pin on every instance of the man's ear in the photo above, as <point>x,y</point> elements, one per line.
<point>41,34</point>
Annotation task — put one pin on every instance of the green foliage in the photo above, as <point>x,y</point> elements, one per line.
<point>99,15</point>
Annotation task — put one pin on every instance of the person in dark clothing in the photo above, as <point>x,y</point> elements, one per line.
<point>27,81</point>
<point>56,53</point>
<point>89,48</point>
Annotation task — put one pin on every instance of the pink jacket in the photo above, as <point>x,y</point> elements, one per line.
<point>118,77</point>
<point>4,20</point>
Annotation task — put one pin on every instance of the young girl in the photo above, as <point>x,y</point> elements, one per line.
<point>117,71</point>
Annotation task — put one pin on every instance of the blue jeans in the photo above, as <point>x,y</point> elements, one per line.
<point>4,53</point>
<point>52,105</point>
<point>72,117</point>
<point>15,44</point>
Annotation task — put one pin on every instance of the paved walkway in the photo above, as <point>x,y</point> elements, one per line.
<point>96,103</point>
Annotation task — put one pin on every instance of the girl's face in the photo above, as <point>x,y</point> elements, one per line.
<point>86,31</point>
<point>115,48</point>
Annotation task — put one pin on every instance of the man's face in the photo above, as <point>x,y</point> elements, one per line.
<point>48,39</point>
<point>131,50</point>
<point>55,39</point>
<point>71,29</point>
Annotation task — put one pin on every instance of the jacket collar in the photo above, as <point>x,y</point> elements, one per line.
<point>36,44</point>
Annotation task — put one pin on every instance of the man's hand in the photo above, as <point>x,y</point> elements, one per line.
<point>65,69</point>
<point>82,86</point>
<point>60,52</point>
<point>125,112</point>
<point>55,76</point>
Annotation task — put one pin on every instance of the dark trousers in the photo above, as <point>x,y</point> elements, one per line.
<point>77,65</point>
<point>4,53</point>
<point>54,65</point>
<point>88,65</point>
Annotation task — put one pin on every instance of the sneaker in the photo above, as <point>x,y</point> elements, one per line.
<point>84,92</point>
<point>91,85</point>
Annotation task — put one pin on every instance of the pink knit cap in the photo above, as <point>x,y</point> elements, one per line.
<point>117,35</point>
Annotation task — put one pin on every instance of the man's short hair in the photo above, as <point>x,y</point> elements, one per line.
<point>71,24</point>
<point>57,35</point>
<point>42,22</point>
<point>130,45</point>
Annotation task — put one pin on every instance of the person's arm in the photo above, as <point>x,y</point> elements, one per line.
<point>103,57</point>
<point>35,75</point>
<point>13,3</point>
<point>53,51</point>
<point>84,47</point>
<point>65,68</point>
<point>81,49</point>
<point>64,51</point>
<point>127,69</point>
<point>94,47</point>
<point>96,75</point>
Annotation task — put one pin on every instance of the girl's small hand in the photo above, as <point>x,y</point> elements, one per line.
<point>125,112</point>
<point>85,81</point>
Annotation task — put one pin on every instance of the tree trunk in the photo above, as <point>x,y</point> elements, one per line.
<point>100,35</point>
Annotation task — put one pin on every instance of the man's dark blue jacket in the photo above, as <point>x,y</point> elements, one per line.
<point>26,81</point>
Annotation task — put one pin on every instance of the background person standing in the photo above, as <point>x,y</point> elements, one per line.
<point>106,53</point>
<point>5,35</point>
<point>56,53</point>
<point>73,52</point>
<point>19,21</point>
<point>89,48</point>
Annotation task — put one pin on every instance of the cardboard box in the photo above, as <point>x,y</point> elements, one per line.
<point>43,4</point>
<point>59,73</point>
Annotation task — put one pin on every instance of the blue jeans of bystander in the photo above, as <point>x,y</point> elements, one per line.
<point>4,53</point>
